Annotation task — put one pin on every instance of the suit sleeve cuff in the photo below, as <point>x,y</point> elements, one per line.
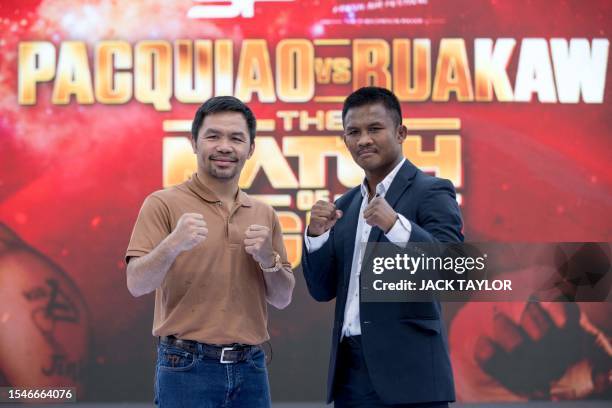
<point>399,234</point>
<point>315,243</point>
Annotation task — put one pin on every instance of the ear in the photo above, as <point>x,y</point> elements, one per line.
<point>193,145</point>
<point>251,149</point>
<point>402,133</point>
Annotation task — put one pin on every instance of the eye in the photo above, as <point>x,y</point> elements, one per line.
<point>212,136</point>
<point>374,129</point>
<point>238,139</point>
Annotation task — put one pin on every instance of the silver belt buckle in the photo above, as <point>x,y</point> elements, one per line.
<point>222,360</point>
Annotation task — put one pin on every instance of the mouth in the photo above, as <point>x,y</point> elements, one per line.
<point>366,153</point>
<point>223,161</point>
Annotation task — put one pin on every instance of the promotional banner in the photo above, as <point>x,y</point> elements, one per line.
<point>509,100</point>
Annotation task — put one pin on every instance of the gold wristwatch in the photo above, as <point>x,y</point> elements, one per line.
<point>277,264</point>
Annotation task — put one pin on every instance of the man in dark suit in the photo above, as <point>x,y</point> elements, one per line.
<point>383,354</point>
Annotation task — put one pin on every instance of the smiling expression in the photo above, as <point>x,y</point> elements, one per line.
<point>223,145</point>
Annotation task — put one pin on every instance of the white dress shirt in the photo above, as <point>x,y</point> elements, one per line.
<point>399,234</point>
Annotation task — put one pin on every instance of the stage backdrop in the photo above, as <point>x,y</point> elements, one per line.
<point>508,99</point>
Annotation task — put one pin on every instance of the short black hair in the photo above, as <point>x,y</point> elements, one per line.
<point>370,95</point>
<point>220,104</point>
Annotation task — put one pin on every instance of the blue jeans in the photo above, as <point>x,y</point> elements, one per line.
<point>184,379</point>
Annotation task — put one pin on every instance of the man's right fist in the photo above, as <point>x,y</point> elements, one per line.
<point>190,230</point>
<point>323,216</point>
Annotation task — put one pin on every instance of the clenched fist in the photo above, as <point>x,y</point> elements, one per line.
<point>379,213</point>
<point>510,351</point>
<point>573,356</point>
<point>258,243</point>
<point>323,216</point>
<point>190,230</point>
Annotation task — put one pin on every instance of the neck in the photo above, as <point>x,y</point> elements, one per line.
<point>376,176</point>
<point>225,189</point>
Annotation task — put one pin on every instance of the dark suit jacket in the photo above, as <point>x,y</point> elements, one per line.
<point>404,344</point>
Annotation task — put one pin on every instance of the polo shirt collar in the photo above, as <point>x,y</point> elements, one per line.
<point>199,188</point>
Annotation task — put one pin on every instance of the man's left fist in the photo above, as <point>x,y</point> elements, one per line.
<point>258,243</point>
<point>379,213</point>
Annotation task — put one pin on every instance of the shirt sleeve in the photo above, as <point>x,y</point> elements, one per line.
<point>152,226</point>
<point>399,234</point>
<point>314,243</point>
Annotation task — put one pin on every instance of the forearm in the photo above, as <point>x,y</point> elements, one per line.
<point>439,217</point>
<point>279,287</point>
<point>146,273</point>
<point>319,271</point>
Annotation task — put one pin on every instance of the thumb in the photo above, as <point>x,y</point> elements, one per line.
<point>339,214</point>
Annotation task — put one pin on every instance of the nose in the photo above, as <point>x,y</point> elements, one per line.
<point>223,146</point>
<point>364,140</point>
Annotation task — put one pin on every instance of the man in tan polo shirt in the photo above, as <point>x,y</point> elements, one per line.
<point>214,257</point>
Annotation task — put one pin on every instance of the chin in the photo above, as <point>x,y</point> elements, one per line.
<point>369,164</point>
<point>221,174</point>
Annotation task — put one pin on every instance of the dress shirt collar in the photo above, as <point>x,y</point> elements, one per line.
<point>383,186</point>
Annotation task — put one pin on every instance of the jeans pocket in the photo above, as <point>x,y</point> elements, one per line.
<point>257,360</point>
<point>175,359</point>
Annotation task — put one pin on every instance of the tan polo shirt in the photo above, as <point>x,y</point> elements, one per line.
<point>215,292</point>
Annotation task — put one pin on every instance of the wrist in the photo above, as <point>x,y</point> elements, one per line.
<point>276,264</point>
<point>172,246</point>
<point>392,223</point>
<point>268,261</point>
<point>312,233</point>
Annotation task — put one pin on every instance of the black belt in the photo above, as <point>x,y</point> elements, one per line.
<point>226,354</point>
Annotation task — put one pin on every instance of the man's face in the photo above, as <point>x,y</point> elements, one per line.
<point>372,137</point>
<point>223,145</point>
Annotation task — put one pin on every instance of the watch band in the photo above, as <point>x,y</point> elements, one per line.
<point>277,264</point>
